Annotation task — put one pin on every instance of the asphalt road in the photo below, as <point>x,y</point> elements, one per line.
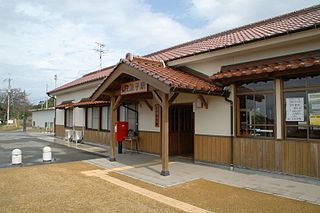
<point>31,147</point>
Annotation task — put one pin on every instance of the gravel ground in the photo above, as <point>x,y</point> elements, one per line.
<point>222,198</point>
<point>62,187</point>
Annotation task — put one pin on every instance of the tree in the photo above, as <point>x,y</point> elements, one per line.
<point>42,104</point>
<point>19,104</point>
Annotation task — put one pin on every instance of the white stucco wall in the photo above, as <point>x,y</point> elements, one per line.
<point>146,118</point>
<point>78,113</point>
<point>59,116</point>
<point>39,118</point>
<point>76,95</point>
<point>215,120</point>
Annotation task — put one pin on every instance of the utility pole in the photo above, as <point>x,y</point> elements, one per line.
<point>46,96</point>
<point>9,91</point>
<point>54,104</point>
<point>24,112</point>
<point>100,51</point>
<point>55,80</point>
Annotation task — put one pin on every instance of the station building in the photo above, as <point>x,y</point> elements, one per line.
<point>247,97</point>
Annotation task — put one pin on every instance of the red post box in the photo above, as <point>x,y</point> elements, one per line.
<point>121,130</point>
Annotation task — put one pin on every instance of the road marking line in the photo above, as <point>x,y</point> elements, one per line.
<point>147,193</point>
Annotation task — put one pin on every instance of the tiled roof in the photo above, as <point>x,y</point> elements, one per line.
<point>92,76</point>
<point>281,25</point>
<point>174,78</point>
<point>65,105</point>
<point>279,64</point>
<point>85,103</point>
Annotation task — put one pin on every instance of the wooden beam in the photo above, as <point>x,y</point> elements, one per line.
<point>117,103</point>
<point>173,97</point>
<point>148,104</point>
<point>204,102</point>
<point>157,97</point>
<point>112,144</point>
<point>165,135</point>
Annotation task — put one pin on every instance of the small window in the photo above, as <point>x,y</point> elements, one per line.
<point>105,118</point>
<point>256,109</point>
<point>93,118</point>
<point>301,101</point>
<point>69,118</point>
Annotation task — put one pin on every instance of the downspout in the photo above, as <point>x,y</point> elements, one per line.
<point>226,95</point>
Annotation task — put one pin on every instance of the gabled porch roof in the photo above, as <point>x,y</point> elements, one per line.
<point>159,76</point>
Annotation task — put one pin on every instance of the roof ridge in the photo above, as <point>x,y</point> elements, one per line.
<point>257,23</point>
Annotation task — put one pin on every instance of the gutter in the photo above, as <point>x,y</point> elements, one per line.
<point>226,95</point>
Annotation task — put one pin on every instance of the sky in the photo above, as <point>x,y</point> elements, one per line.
<point>40,39</point>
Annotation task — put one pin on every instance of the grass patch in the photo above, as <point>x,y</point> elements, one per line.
<point>4,128</point>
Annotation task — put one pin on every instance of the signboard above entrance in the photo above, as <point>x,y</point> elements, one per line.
<point>134,87</point>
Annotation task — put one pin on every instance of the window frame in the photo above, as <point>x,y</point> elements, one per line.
<point>253,93</point>
<point>306,90</point>
<point>108,120</point>
<point>66,117</point>
<point>99,118</point>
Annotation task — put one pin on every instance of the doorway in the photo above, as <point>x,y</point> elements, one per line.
<point>181,130</point>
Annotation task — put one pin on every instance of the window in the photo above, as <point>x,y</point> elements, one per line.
<point>105,118</point>
<point>68,118</point>
<point>129,113</point>
<point>301,98</point>
<point>255,111</point>
<point>93,118</point>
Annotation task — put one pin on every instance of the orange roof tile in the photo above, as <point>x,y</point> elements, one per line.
<point>273,65</point>
<point>92,76</point>
<point>281,25</point>
<point>64,105</point>
<point>85,103</point>
<point>174,78</point>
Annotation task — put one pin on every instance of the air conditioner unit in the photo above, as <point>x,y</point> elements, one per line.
<point>69,135</point>
<point>77,136</point>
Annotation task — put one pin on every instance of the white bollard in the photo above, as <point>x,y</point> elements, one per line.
<point>16,157</point>
<point>46,154</point>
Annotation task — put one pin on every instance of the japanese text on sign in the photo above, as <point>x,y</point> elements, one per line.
<point>294,109</point>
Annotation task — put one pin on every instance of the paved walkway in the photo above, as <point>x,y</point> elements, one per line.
<point>31,146</point>
<point>147,168</point>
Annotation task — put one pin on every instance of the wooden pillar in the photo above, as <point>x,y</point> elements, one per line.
<point>165,135</point>
<point>112,156</point>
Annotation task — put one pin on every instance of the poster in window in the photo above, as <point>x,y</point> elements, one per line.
<point>294,109</point>
<point>314,108</point>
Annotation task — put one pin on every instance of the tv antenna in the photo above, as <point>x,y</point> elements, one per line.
<point>100,50</point>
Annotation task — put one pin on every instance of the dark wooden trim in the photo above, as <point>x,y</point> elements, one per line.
<point>148,104</point>
<point>149,131</point>
<point>173,97</point>
<point>203,100</point>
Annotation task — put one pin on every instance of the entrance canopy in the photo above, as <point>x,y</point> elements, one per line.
<point>157,75</point>
<point>137,79</point>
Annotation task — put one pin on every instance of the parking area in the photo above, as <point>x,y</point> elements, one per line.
<point>32,144</point>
